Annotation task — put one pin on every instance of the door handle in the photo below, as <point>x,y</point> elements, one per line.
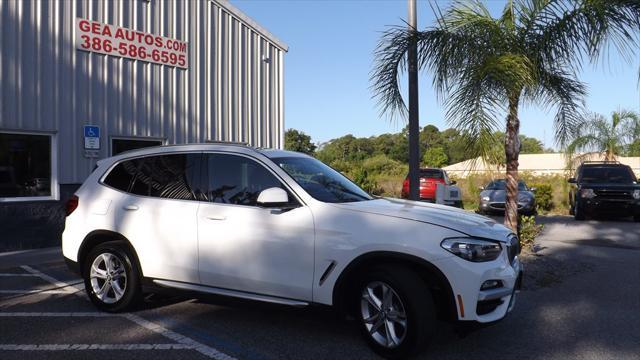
<point>131,207</point>
<point>216,217</point>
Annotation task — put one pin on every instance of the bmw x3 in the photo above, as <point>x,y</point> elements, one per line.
<point>282,227</point>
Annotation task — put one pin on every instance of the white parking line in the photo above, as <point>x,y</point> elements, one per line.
<point>57,314</point>
<point>15,275</point>
<point>67,287</point>
<point>68,347</point>
<point>21,292</point>
<point>159,329</point>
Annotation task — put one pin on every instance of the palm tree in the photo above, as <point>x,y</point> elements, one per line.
<point>612,138</point>
<point>487,67</point>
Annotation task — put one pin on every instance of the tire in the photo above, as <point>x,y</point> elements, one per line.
<point>410,296</point>
<point>123,290</point>
<point>578,214</point>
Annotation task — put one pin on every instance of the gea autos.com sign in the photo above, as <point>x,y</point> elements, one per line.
<point>112,40</point>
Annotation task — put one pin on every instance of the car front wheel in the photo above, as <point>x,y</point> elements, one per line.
<point>397,313</point>
<point>111,278</point>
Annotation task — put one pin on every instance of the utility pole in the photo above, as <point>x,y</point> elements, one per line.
<point>414,122</point>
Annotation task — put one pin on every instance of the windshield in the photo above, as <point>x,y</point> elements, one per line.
<point>502,185</point>
<point>611,175</point>
<point>321,181</point>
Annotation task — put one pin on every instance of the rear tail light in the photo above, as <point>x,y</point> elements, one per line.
<point>72,204</point>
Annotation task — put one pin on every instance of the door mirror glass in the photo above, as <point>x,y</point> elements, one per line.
<point>571,180</point>
<point>273,197</point>
<point>533,189</point>
<point>453,182</point>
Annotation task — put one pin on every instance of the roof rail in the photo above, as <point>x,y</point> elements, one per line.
<point>221,142</point>
<point>600,162</point>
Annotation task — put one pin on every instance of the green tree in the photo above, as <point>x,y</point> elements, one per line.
<point>487,67</point>
<point>435,157</point>
<point>295,140</point>
<point>634,148</point>
<point>530,145</point>
<point>612,138</point>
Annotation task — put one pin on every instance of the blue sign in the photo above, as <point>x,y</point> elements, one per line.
<point>91,137</point>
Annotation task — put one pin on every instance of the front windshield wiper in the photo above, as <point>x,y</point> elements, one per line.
<point>336,185</point>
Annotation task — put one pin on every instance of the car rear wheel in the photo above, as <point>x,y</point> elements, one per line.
<point>111,277</point>
<point>396,312</point>
<point>578,214</point>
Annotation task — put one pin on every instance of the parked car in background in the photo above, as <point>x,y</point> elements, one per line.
<point>8,185</point>
<point>282,227</point>
<point>429,180</point>
<point>493,197</point>
<point>604,188</point>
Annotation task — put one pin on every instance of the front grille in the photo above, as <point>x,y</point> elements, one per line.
<point>614,194</point>
<point>513,247</point>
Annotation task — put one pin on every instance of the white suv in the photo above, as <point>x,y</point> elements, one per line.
<point>282,227</point>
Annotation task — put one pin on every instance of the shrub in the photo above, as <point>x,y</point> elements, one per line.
<point>383,165</point>
<point>368,184</point>
<point>544,197</point>
<point>529,230</point>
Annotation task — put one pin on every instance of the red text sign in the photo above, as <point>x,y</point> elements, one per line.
<point>118,41</point>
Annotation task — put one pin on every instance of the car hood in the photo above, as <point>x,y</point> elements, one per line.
<point>446,216</point>
<point>500,195</point>
<point>611,186</point>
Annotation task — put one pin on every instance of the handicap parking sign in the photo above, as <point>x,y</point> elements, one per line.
<point>91,137</point>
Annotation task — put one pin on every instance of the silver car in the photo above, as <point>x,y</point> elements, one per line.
<point>493,197</point>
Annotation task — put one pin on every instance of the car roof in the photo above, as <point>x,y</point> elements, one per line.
<point>277,153</point>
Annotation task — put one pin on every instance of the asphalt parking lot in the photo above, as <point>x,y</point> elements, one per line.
<point>581,300</point>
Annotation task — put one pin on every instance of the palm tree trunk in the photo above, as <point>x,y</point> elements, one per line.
<point>512,150</point>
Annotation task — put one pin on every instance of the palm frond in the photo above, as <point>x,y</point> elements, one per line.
<point>560,89</point>
<point>390,56</point>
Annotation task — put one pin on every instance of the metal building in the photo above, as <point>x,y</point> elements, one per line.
<point>84,79</point>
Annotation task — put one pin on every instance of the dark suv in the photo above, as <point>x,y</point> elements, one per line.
<point>604,188</point>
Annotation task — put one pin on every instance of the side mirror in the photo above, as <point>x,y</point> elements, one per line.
<point>533,189</point>
<point>481,188</point>
<point>572,181</point>
<point>273,197</point>
<point>453,182</point>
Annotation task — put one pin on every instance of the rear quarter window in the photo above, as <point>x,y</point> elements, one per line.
<point>173,176</point>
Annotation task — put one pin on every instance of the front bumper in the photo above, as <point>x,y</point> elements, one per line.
<point>466,279</point>
<point>613,207</point>
<point>495,207</point>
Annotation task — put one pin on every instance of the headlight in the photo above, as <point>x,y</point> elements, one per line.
<point>475,250</point>
<point>587,193</point>
<point>636,194</point>
<point>485,198</point>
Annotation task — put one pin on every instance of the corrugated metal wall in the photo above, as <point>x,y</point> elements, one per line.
<point>228,93</point>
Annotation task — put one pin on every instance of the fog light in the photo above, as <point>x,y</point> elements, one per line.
<point>491,284</point>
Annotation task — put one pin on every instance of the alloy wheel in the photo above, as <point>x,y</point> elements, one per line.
<point>383,314</point>
<point>108,278</point>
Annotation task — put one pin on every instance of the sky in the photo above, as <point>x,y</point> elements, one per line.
<point>327,69</point>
